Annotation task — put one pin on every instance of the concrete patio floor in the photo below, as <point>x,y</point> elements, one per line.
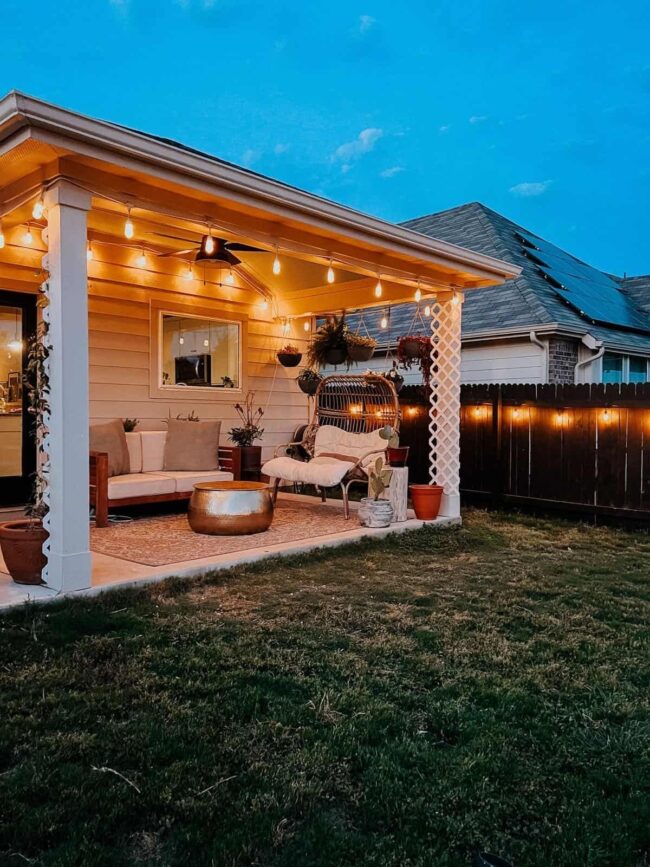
<point>113,572</point>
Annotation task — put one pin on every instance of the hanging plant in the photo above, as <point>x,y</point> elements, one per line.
<point>329,343</point>
<point>413,349</point>
<point>395,377</point>
<point>308,381</point>
<point>289,356</point>
<point>360,347</point>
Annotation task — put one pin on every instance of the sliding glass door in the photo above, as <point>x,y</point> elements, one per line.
<point>17,446</point>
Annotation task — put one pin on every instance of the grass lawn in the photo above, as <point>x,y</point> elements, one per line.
<point>401,703</point>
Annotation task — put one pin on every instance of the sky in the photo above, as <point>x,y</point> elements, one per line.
<point>539,110</point>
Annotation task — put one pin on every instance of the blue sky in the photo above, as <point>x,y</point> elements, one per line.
<point>539,110</point>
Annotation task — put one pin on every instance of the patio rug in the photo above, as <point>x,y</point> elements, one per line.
<point>168,539</point>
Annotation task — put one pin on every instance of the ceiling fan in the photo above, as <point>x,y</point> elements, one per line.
<point>212,249</point>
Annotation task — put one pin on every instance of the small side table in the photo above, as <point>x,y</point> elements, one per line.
<point>397,492</point>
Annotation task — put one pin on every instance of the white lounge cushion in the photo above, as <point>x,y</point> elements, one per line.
<point>153,450</point>
<point>319,471</point>
<point>185,480</point>
<point>139,485</point>
<point>335,440</point>
<point>134,445</point>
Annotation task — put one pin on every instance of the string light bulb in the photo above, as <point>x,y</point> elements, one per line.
<point>265,304</point>
<point>229,279</point>
<point>277,267</point>
<point>384,321</point>
<point>378,288</point>
<point>141,261</point>
<point>2,236</point>
<point>189,273</point>
<point>129,228</point>
<point>38,209</point>
<point>427,311</point>
<point>418,294</point>
<point>209,244</point>
<point>307,325</point>
<point>455,298</point>
<point>28,237</point>
<point>89,252</point>
<point>330,273</point>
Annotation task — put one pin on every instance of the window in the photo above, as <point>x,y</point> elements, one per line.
<point>199,352</point>
<point>638,370</point>
<point>612,367</point>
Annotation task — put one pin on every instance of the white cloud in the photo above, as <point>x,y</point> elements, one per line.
<point>478,118</point>
<point>366,22</point>
<point>530,188</point>
<point>249,157</point>
<point>362,144</point>
<point>391,172</point>
<point>444,128</point>
<point>345,168</point>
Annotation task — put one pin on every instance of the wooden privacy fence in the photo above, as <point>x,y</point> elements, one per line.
<point>572,447</point>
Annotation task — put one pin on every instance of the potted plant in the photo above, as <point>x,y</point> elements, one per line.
<point>374,512</point>
<point>130,424</point>
<point>360,347</point>
<point>289,356</point>
<point>397,455</point>
<point>329,343</point>
<point>245,435</point>
<point>395,377</point>
<point>414,349</point>
<point>308,381</point>
<point>426,501</point>
<point>22,540</point>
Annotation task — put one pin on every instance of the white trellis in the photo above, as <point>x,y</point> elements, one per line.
<point>444,412</point>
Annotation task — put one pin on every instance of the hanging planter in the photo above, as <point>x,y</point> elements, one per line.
<point>360,348</point>
<point>413,349</point>
<point>408,347</point>
<point>289,356</point>
<point>308,381</point>
<point>329,343</point>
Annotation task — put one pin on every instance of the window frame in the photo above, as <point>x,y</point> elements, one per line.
<point>200,393</point>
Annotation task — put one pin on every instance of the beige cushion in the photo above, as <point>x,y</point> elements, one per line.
<point>134,445</point>
<point>140,485</point>
<point>185,480</point>
<point>192,445</point>
<point>319,471</point>
<point>109,437</point>
<point>331,439</point>
<point>153,450</point>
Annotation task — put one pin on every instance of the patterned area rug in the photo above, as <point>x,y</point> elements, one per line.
<point>168,539</point>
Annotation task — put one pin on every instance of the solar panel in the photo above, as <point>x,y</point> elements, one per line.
<point>593,294</point>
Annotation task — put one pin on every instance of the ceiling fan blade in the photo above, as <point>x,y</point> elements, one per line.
<point>176,253</point>
<point>232,259</point>
<point>244,248</point>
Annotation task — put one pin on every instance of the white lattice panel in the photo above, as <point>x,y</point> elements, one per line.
<point>444,413</point>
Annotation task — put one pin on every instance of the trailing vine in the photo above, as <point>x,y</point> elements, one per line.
<point>37,382</point>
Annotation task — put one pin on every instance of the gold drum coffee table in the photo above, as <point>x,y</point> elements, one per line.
<point>230,508</point>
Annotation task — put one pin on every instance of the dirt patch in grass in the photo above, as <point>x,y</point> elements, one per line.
<point>395,703</point>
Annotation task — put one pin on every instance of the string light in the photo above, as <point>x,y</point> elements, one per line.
<point>229,279</point>
<point>265,304</point>
<point>129,229</point>
<point>418,293</point>
<point>2,236</point>
<point>330,273</point>
<point>606,416</point>
<point>141,261</point>
<point>206,342</point>
<point>189,273</point>
<point>277,267</point>
<point>307,325</point>
<point>378,288</point>
<point>384,321</point>
<point>427,311</point>
<point>38,209</point>
<point>455,298</point>
<point>89,252</point>
<point>28,237</point>
<point>209,244</point>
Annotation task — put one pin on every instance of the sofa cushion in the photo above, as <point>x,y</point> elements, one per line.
<point>139,485</point>
<point>185,480</point>
<point>134,445</point>
<point>110,438</point>
<point>153,450</point>
<point>335,440</point>
<point>192,445</point>
<point>319,471</point>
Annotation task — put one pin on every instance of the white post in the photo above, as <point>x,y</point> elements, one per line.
<point>444,425</point>
<point>66,444</point>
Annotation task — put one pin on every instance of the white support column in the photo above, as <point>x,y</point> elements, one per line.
<point>66,444</point>
<point>444,425</point>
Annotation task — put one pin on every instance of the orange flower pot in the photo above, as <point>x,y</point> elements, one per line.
<point>426,501</point>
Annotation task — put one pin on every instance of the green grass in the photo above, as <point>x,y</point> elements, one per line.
<point>397,703</point>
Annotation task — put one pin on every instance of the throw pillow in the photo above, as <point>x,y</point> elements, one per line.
<point>192,445</point>
<point>110,437</point>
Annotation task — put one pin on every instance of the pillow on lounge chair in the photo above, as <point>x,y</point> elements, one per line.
<point>192,445</point>
<point>110,437</point>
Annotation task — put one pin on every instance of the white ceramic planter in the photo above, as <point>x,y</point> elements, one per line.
<point>375,513</point>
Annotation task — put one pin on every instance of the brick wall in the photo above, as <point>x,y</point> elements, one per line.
<point>562,359</point>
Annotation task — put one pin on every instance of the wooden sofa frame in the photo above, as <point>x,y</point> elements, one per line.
<point>229,461</point>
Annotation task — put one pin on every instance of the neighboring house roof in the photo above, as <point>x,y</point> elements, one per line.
<point>538,298</point>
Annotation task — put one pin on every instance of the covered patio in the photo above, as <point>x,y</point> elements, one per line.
<point>105,223</point>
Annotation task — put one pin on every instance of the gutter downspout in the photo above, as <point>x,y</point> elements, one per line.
<point>600,351</point>
<point>532,336</point>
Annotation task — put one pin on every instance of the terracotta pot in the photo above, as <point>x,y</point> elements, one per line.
<point>360,353</point>
<point>22,548</point>
<point>308,384</point>
<point>336,355</point>
<point>426,501</point>
<point>397,456</point>
<point>289,359</point>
